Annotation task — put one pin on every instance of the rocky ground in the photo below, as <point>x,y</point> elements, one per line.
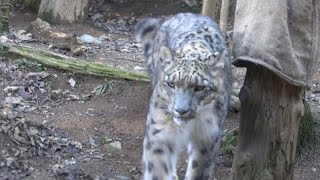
<point>59,125</point>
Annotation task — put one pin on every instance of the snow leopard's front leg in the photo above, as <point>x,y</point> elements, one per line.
<point>159,153</point>
<point>202,153</point>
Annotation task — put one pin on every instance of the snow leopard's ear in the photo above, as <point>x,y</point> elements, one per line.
<point>146,29</point>
<point>165,54</point>
<point>216,59</point>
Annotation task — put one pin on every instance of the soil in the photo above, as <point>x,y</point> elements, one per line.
<point>103,131</point>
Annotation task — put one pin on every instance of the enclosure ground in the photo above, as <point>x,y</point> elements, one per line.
<point>61,125</point>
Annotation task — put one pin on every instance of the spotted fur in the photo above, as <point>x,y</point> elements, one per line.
<point>189,65</point>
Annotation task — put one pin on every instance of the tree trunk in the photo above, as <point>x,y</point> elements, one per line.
<point>63,11</point>
<point>209,8</point>
<point>5,6</point>
<point>32,5</point>
<point>224,16</point>
<point>269,121</point>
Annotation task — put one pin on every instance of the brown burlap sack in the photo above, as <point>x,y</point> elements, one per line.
<point>281,35</point>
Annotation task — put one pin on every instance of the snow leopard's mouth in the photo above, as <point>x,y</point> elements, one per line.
<point>181,120</point>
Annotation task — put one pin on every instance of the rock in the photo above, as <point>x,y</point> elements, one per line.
<point>39,25</point>
<point>120,177</point>
<point>22,35</point>
<point>89,39</point>
<point>116,144</point>
<point>3,39</point>
<point>139,68</point>
<point>121,22</point>
<point>75,45</point>
<point>134,170</point>
<point>96,17</point>
<point>72,82</point>
<point>13,100</point>
<point>92,142</point>
<point>9,161</point>
<point>105,38</point>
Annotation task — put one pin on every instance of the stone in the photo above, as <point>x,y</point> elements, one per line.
<point>96,16</point>
<point>116,145</point>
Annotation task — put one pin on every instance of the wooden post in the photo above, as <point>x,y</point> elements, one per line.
<point>5,6</point>
<point>270,114</point>
<point>209,8</point>
<point>223,23</point>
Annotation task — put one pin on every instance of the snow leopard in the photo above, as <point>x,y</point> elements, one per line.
<point>189,66</point>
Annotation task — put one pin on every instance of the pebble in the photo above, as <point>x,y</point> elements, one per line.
<point>139,68</point>
<point>120,177</point>
<point>121,22</point>
<point>3,39</point>
<point>96,16</point>
<point>116,144</point>
<point>89,39</point>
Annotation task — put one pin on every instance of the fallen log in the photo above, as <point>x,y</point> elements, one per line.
<point>73,64</point>
<point>80,66</point>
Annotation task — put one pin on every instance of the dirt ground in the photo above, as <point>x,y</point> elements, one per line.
<point>51,128</point>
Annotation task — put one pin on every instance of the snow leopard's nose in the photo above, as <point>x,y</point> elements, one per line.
<point>182,103</point>
<point>181,111</point>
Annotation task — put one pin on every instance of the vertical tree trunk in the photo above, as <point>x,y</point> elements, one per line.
<point>63,11</point>
<point>270,114</point>
<point>209,8</point>
<point>224,16</point>
<point>32,5</point>
<point>5,6</point>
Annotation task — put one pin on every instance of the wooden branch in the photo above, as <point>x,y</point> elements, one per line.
<point>73,64</point>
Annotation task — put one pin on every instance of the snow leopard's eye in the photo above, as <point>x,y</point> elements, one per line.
<point>171,84</point>
<point>199,88</point>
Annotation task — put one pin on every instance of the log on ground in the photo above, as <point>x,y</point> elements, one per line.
<point>86,67</point>
<point>73,64</point>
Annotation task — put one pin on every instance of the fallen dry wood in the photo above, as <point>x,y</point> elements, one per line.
<point>73,64</point>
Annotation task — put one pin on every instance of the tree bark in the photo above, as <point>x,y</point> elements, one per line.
<point>5,6</point>
<point>223,23</point>
<point>63,11</point>
<point>32,5</point>
<point>269,121</point>
<point>209,8</point>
